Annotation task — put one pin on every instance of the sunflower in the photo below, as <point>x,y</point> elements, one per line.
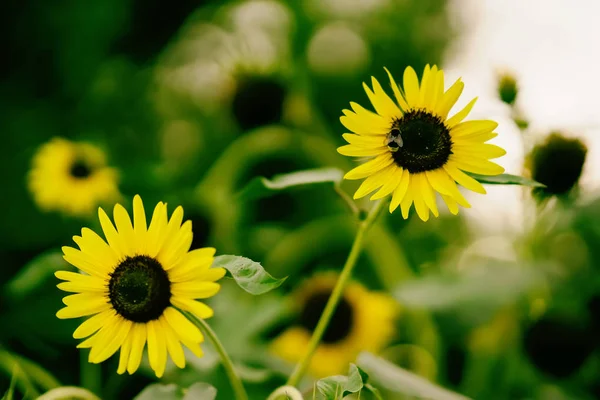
<point>415,150</point>
<point>71,177</point>
<point>133,286</point>
<point>363,321</point>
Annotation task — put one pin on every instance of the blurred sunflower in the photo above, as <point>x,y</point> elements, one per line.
<point>71,177</point>
<point>560,178</point>
<point>131,285</point>
<point>241,69</point>
<point>415,150</point>
<point>363,321</point>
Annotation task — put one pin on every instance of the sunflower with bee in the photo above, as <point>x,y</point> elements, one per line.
<point>414,149</point>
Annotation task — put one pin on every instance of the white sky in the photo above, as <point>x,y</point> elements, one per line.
<point>553,47</point>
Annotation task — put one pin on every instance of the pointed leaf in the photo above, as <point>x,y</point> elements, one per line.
<point>399,380</point>
<point>505,179</point>
<point>263,187</point>
<point>248,274</point>
<point>337,386</point>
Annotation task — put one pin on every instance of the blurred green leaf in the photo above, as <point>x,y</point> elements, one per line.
<point>491,285</point>
<point>399,380</point>
<point>505,179</point>
<point>263,187</point>
<point>200,391</point>
<point>248,274</point>
<point>9,394</point>
<point>33,275</point>
<point>68,393</point>
<point>337,386</point>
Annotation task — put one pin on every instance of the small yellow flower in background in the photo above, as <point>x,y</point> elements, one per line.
<point>363,321</point>
<point>415,150</point>
<point>131,284</point>
<point>71,177</point>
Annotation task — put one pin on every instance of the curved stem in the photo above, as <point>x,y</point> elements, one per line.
<point>236,382</point>
<point>335,297</point>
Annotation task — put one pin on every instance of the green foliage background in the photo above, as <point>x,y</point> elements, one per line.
<point>123,75</point>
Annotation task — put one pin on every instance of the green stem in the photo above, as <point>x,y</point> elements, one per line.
<point>236,382</point>
<point>90,374</point>
<point>335,297</point>
<point>347,199</point>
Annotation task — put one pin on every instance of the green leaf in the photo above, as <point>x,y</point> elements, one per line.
<point>201,391</point>
<point>505,179</point>
<point>263,187</point>
<point>248,274</point>
<point>198,391</point>
<point>337,386</point>
<point>158,391</point>
<point>401,381</point>
<point>34,274</point>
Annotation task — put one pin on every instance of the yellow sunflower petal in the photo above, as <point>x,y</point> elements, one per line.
<point>182,326</point>
<point>477,166</point>
<point>138,341</point>
<point>139,224</point>
<point>125,229</point>
<point>373,182</point>
<point>397,93</point>
<point>438,90</point>
<point>407,200</point>
<point>400,191</point>
<point>125,351</point>
<point>381,101</point>
<point>451,203</point>
<point>112,237</point>
<point>99,354</point>
<point>173,345</point>
<point>442,183</point>
<point>157,229</point>
<point>464,179</point>
<point>156,347</point>
<point>411,87</point>
<point>357,151</point>
<point>364,123</point>
<point>192,264</point>
<point>94,246</point>
<point>449,98</point>
<point>93,306</point>
<point>391,184</point>
<point>93,324</point>
<point>427,194</point>
<point>479,150</point>
<point>474,127</point>
<point>176,246</point>
<point>462,114</point>
<point>370,167</point>
<point>197,308</point>
<point>195,289</point>
<point>78,259</point>
<point>364,141</point>
<point>426,87</point>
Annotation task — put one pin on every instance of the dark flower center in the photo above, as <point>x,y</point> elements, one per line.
<point>558,346</point>
<point>80,170</point>
<point>559,177</point>
<point>419,141</point>
<point>139,289</point>
<point>341,323</point>
<point>258,101</point>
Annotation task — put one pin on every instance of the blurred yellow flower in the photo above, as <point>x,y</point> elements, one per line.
<point>71,177</point>
<point>414,149</point>
<point>131,285</point>
<point>363,321</point>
